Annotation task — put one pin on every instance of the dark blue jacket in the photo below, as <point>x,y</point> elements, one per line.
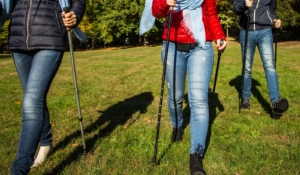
<point>262,13</point>
<point>37,24</point>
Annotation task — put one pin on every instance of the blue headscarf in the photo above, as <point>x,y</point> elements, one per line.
<point>7,7</point>
<point>192,18</point>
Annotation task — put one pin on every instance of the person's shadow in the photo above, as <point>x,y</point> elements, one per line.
<point>186,118</point>
<point>236,82</point>
<point>115,115</point>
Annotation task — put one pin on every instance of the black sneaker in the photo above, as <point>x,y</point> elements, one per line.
<point>177,134</point>
<point>245,103</point>
<point>279,107</point>
<point>196,166</point>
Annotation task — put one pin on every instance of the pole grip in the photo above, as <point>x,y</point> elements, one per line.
<point>221,42</point>
<point>66,9</point>
<point>171,8</point>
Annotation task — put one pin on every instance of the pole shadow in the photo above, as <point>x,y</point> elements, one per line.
<point>236,82</point>
<point>186,119</point>
<point>216,106</point>
<point>115,115</point>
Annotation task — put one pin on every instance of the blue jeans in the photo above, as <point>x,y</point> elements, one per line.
<point>197,64</point>
<point>36,70</point>
<point>263,39</point>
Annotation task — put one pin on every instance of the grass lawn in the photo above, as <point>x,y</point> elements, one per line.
<point>119,94</point>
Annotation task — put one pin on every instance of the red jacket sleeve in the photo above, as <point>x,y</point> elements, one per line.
<point>160,8</point>
<point>213,21</point>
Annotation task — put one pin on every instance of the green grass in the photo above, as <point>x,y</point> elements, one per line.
<point>119,95</point>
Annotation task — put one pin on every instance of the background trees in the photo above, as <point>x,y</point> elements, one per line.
<point>110,23</point>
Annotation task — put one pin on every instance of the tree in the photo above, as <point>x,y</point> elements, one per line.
<point>227,17</point>
<point>4,36</point>
<point>289,12</point>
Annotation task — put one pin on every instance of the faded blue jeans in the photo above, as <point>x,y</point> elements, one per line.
<point>263,39</point>
<point>36,70</point>
<point>197,64</point>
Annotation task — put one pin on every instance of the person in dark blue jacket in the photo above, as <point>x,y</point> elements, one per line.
<point>262,16</point>
<point>37,35</point>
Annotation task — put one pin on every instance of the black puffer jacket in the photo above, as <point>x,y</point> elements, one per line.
<point>37,24</point>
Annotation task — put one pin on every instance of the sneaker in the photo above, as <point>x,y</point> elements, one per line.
<point>177,134</point>
<point>245,103</point>
<point>279,107</point>
<point>196,166</point>
<point>42,155</point>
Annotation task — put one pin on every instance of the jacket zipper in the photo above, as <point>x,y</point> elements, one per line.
<point>27,25</point>
<point>254,25</point>
<point>269,16</point>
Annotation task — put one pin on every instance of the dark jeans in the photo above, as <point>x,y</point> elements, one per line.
<point>36,70</point>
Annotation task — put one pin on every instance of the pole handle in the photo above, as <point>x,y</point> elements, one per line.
<point>221,42</point>
<point>66,9</point>
<point>171,8</point>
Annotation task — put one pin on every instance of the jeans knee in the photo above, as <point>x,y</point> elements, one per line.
<point>32,109</point>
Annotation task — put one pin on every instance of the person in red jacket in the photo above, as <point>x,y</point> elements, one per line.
<point>195,24</point>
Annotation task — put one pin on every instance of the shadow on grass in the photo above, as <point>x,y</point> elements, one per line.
<point>186,119</point>
<point>236,82</point>
<point>115,115</point>
<point>5,56</point>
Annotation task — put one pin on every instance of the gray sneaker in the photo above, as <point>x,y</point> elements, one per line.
<point>245,103</point>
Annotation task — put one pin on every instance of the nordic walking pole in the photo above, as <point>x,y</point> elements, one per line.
<point>67,9</point>
<point>244,59</point>
<point>216,76</point>
<point>275,47</point>
<point>162,85</point>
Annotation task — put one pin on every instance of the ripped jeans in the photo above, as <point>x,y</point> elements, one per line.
<point>197,64</point>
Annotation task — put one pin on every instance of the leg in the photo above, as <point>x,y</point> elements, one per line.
<point>265,46</point>
<point>200,63</point>
<point>199,67</point>
<point>44,65</point>
<point>247,84</point>
<point>175,76</point>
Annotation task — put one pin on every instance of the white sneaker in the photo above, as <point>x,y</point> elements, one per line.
<point>41,156</point>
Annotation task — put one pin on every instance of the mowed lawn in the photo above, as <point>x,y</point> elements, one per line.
<point>119,92</point>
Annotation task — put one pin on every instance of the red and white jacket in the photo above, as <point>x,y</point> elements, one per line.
<point>178,33</point>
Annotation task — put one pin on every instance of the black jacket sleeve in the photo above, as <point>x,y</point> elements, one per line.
<point>239,7</point>
<point>273,7</point>
<point>78,6</point>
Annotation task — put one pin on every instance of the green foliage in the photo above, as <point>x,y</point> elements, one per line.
<point>116,18</point>
<point>289,12</point>
<point>4,34</point>
<point>226,15</point>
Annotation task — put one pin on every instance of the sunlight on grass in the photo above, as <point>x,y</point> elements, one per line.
<point>119,95</point>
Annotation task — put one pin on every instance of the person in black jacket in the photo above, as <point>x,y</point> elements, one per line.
<point>262,16</point>
<point>37,35</point>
